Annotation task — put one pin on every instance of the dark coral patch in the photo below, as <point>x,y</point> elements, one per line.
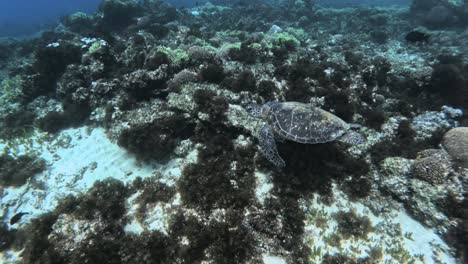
<point>210,103</point>
<point>357,188</point>
<point>151,191</point>
<point>281,219</point>
<point>37,248</point>
<point>7,237</point>
<point>311,168</point>
<point>17,124</point>
<point>213,73</point>
<point>374,117</point>
<point>158,139</point>
<point>222,177</point>
<point>245,81</point>
<point>340,258</point>
<point>339,100</point>
<point>50,62</point>
<point>148,246</point>
<point>450,82</point>
<point>244,54</point>
<point>106,201</point>
<point>73,115</point>
<point>378,73</point>
<point>225,242</point>
<point>404,144</point>
<point>352,225</point>
<point>155,59</point>
<point>16,171</point>
<point>299,91</point>
<point>105,197</point>
<point>267,89</point>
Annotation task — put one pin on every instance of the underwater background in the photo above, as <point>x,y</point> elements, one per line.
<point>262,131</point>
<point>21,18</point>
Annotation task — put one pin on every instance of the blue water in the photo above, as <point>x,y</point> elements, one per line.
<point>21,18</point>
<point>24,18</point>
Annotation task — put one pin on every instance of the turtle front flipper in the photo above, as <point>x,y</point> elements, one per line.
<point>268,147</point>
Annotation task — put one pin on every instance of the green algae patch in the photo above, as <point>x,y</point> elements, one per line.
<point>176,56</point>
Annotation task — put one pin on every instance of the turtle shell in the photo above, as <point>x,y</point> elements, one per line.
<point>304,123</point>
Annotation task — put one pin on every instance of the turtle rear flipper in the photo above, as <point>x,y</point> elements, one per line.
<point>268,147</point>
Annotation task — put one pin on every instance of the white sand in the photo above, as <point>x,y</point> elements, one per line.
<point>389,236</point>
<point>72,169</point>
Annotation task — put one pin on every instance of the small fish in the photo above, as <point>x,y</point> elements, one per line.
<point>417,36</point>
<point>17,217</point>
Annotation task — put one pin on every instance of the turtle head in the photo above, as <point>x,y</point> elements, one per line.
<point>254,110</point>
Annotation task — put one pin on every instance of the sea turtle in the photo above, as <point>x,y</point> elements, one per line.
<point>298,122</point>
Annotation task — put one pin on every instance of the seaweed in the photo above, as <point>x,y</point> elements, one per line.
<point>299,91</point>
<point>244,81</point>
<point>213,182</point>
<point>17,124</point>
<point>16,171</point>
<point>212,73</point>
<point>210,103</point>
<point>73,115</point>
<point>50,63</point>
<point>151,191</point>
<point>312,168</point>
<point>156,140</point>
<point>155,59</point>
<point>37,248</point>
<point>374,117</point>
<point>106,197</point>
<point>449,81</point>
<point>105,201</point>
<point>7,237</point>
<point>267,89</point>
<point>245,54</point>
<point>357,188</point>
<point>148,246</point>
<point>352,225</point>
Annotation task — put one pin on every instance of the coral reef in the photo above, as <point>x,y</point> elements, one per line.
<point>455,142</point>
<point>74,114</point>
<point>432,166</point>
<point>156,140</point>
<point>50,62</point>
<point>396,172</point>
<point>222,177</point>
<point>167,89</point>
